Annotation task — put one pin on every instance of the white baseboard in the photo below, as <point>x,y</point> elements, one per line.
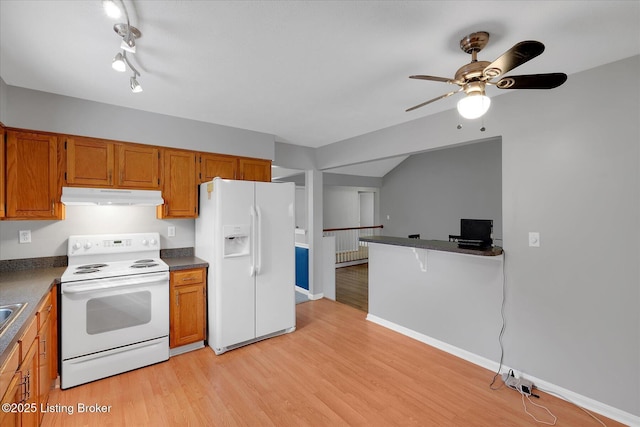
<point>302,290</point>
<point>309,294</point>
<point>562,393</point>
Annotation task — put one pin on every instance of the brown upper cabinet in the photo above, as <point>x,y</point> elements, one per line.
<point>2,173</point>
<point>90,162</point>
<point>33,180</point>
<point>179,189</point>
<point>138,166</point>
<point>230,167</point>
<point>94,162</point>
<point>213,165</point>
<point>254,169</point>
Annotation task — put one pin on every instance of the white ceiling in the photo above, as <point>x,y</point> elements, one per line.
<point>309,72</point>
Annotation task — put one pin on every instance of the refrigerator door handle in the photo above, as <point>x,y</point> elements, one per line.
<point>252,270</point>
<point>259,241</point>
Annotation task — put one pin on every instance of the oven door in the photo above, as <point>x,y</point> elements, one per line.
<point>102,314</point>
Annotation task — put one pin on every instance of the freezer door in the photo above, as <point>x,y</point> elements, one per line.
<point>232,303</point>
<point>275,257</point>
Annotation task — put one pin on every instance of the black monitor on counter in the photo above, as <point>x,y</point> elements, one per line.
<point>476,232</point>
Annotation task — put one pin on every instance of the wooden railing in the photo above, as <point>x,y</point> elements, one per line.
<point>349,248</point>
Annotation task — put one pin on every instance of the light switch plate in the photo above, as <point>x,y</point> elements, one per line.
<point>534,239</point>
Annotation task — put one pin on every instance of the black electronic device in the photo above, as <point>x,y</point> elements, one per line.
<point>476,233</point>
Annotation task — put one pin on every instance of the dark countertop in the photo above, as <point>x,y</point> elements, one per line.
<point>32,285</point>
<point>185,263</point>
<point>436,245</point>
<point>28,286</point>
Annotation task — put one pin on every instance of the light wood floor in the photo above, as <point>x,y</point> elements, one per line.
<point>352,286</point>
<point>336,369</point>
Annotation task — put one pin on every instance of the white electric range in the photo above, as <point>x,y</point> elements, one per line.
<point>114,306</point>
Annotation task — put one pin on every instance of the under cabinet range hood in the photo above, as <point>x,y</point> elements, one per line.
<point>75,196</point>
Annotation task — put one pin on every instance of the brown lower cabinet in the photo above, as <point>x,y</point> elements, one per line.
<point>27,374</point>
<point>187,306</point>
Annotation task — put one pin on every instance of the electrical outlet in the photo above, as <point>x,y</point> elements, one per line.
<point>534,239</point>
<point>24,236</point>
<point>171,231</point>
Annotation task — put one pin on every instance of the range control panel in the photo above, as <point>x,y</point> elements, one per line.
<point>96,244</point>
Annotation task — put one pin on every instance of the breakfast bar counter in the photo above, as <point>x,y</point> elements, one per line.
<point>438,293</point>
<point>436,245</point>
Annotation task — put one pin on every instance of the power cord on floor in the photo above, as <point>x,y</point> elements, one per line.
<point>524,405</point>
<point>573,403</point>
<point>504,323</point>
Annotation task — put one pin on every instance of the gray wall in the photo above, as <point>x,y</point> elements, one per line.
<point>429,193</point>
<point>44,111</point>
<point>3,100</point>
<point>341,207</point>
<point>571,171</point>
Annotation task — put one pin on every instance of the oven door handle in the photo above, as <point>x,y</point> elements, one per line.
<point>116,283</point>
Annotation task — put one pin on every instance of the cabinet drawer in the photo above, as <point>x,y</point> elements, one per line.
<point>28,337</point>
<point>9,369</point>
<point>44,310</point>
<point>187,277</point>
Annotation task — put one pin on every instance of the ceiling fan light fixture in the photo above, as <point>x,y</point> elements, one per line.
<point>118,63</point>
<point>474,105</point>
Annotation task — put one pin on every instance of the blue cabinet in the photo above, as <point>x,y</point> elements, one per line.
<point>302,267</point>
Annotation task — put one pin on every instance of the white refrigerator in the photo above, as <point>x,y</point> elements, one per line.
<point>246,232</point>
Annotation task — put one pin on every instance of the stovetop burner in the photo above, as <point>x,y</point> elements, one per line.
<point>86,271</point>
<point>143,261</point>
<point>90,266</point>
<point>144,265</point>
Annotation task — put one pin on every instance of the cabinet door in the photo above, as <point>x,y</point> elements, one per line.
<point>90,162</point>
<point>44,355</point>
<point>179,189</point>
<point>254,169</point>
<point>138,167</point>
<point>213,165</point>
<point>52,346</point>
<point>44,364</point>
<point>2,174</point>
<point>187,312</point>
<point>29,373</point>
<point>12,396</point>
<point>33,190</point>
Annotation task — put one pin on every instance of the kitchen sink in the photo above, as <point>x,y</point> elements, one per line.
<point>8,313</point>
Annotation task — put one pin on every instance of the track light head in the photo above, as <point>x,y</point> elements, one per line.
<point>135,86</point>
<point>111,9</point>
<point>118,63</point>
<point>129,34</point>
<point>129,44</point>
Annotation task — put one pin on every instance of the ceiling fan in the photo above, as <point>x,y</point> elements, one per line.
<point>474,76</point>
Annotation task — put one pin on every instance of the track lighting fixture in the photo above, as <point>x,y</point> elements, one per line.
<point>129,35</point>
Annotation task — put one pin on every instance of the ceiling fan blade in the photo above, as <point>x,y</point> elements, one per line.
<point>446,95</point>
<point>514,57</point>
<point>532,81</point>
<point>434,78</point>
